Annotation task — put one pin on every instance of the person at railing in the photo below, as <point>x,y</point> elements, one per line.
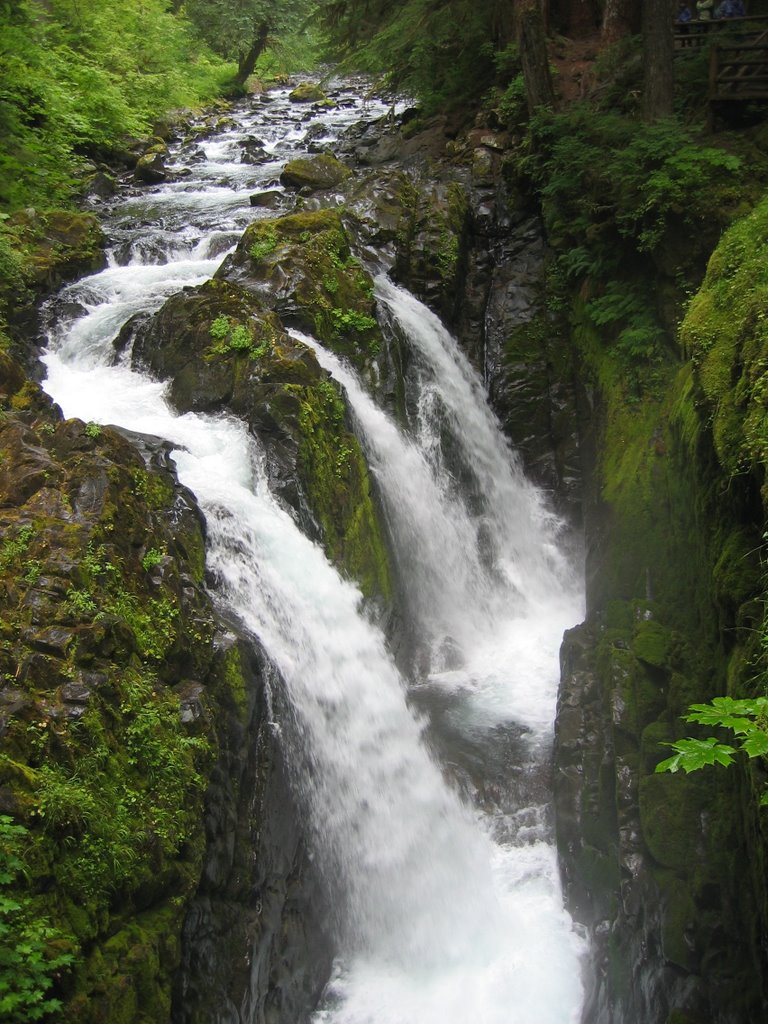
<point>682,22</point>
<point>730,9</point>
<point>704,10</point>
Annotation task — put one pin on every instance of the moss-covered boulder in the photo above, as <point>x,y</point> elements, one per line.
<point>57,245</point>
<point>301,265</point>
<point>222,349</point>
<point>314,173</point>
<point>108,691</point>
<point>150,167</point>
<point>307,92</point>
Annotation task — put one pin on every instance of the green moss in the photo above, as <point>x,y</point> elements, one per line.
<point>653,747</point>
<point>651,642</point>
<point>155,488</point>
<point>97,760</point>
<point>670,809</point>
<point>335,477</point>
<point>307,92</point>
<point>332,293</point>
<point>231,672</point>
<point>678,921</point>
<point>726,333</point>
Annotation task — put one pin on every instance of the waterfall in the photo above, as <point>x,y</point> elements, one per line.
<point>443,910</point>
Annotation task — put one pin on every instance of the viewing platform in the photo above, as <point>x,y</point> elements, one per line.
<point>738,57</point>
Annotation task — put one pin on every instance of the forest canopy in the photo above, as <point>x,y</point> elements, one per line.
<point>76,76</point>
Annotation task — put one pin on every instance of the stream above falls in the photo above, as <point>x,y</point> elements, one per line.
<point>426,784</point>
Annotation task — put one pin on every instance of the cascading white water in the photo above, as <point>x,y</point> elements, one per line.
<point>439,916</point>
<point>445,574</point>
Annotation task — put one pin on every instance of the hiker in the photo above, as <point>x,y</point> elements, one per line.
<point>682,19</point>
<point>704,10</point>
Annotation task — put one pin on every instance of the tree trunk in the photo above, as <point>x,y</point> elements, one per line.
<point>534,58</point>
<point>658,82</point>
<point>620,18</point>
<point>247,61</point>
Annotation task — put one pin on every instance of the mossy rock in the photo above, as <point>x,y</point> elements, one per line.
<point>654,744</point>
<point>307,92</point>
<point>335,474</point>
<point>217,344</point>
<point>108,691</point>
<point>670,816</point>
<point>59,245</point>
<point>678,922</point>
<point>726,333</point>
<point>314,173</point>
<point>150,167</point>
<point>636,698</point>
<point>652,642</point>
<point>302,266</point>
<point>224,350</point>
<point>431,243</point>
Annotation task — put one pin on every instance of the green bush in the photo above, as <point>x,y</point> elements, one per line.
<point>77,77</point>
<point>32,953</point>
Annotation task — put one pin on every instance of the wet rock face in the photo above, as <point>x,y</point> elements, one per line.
<point>104,623</point>
<point>253,945</point>
<point>646,858</point>
<point>134,742</point>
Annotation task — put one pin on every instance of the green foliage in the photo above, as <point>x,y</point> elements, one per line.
<point>231,336</point>
<point>152,558</point>
<point>606,180</point>
<point>266,242</point>
<point>441,53</point>
<point>120,802</point>
<point>622,306</point>
<point>32,953</point>
<point>12,549</point>
<point>231,28</point>
<point>746,719</point>
<point>76,77</point>
<point>352,320</point>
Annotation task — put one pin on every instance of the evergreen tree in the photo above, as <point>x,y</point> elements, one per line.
<point>441,51</point>
<point>241,29</point>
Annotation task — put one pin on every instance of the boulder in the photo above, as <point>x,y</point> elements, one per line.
<point>150,167</point>
<point>307,92</point>
<point>315,173</point>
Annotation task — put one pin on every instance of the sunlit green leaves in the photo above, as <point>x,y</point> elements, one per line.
<point>746,719</point>
<point>694,754</point>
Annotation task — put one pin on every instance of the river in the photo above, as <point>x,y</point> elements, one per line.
<point>426,785</point>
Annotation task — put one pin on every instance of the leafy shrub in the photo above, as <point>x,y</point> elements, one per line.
<point>603,178</point>
<point>32,952</point>
<point>746,719</point>
<point>78,77</point>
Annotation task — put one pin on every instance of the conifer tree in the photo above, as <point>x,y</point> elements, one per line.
<point>240,29</point>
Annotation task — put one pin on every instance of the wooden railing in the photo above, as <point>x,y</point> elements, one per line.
<point>739,71</point>
<point>696,34</point>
